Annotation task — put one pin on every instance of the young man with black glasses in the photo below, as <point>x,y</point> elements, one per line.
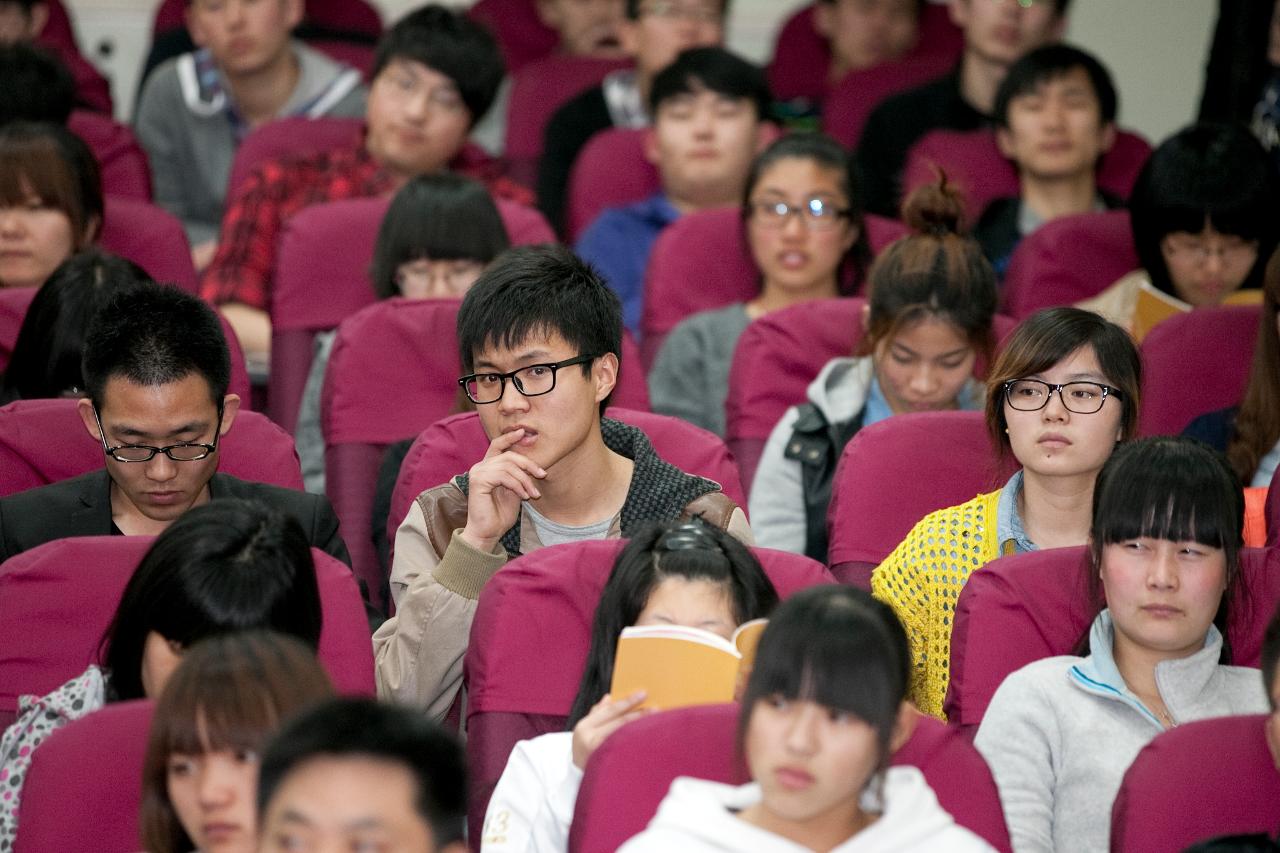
<point>156,371</point>
<point>539,336</point>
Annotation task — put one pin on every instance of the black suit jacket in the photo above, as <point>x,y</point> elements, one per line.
<point>81,506</point>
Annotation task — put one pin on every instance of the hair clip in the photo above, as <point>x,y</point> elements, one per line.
<point>692,535</point>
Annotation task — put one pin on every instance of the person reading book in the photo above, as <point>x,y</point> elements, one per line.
<point>825,709</point>
<point>690,574</point>
<point>1204,224</point>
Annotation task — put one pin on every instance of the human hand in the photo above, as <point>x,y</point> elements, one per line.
<point>498,483</point>
<point>604,718</point>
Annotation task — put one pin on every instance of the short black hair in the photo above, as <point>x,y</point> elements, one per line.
<point>1215,173</point>
<point>443,217</point>
<point>1048,63</point>
<point>47,355</point>
<point>37,85</point>
<point>540,290</point>
<point>448,42</point>
<point>364,728</point>
<point>1271,656</point>
<point>153,335</point>
<point>633,9</point>
<point>229,565</point>
<point>712,69</point>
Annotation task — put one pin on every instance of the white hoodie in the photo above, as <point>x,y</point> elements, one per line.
<point>699,817</point>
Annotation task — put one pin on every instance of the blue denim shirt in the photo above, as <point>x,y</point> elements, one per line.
<point>1011,536</point>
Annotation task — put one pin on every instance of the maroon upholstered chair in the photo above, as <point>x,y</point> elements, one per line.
<point>1272,511</point>
<point>852,100</point>
<point>1195,363</point>
<point>451,446</point>
<point>125,172</point>
<point>322,277</point>
<point>44,441</point>
<point>529,646</point>
<point>631,772</point>
<point>521,34</point>
<point>538,89</point>
<point>58,599</point>
<point>1049,267</point>
<point>1198,781</point>
<point>113,742</point>
<point>894,473</point>
<point>356,18</point>
<point>289,137</point>
<point>975,165</point>
<point>611,170</point>
<point>710,248</point>
<point>58,36</point>
<point>1025,607</point>
<point>151,237</point>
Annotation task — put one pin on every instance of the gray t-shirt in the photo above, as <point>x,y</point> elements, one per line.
<point>554,533</point>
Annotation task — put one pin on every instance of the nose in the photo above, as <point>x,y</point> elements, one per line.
<point>801,734</point>
<point>1163,570</point>
<point>160,468</point>
<point>216,786</point>
<point>235,14</point>
<point>512,400</point>
<point>924,381</point>
<point>10,221</point>
<point>1055,409</point>
<point>1213,260</point>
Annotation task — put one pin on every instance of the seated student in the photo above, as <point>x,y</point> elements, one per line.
<point>654,33</point>
<point>824,710</point>
<point>438,235</point>
<point>1062,393</point>
<point>156,370</point>
<point>996,34</point>
<point>1204,221</point>
<point>931,298</point>
<point>50,200</point>
<point>358,774</point>
<point>1249,434</point>
<point>434,76</point>
<point>200,775</point>
<point>1163,567</point>
<point>197,108</point>
<point>689,574</point>
<point>37,87</point>
<point>707,108</point>
<point>228,566</point>
<point>46,356</point>
<point>23,22</point>
<point>802,215</point>
<point>864,33</point>
<point>541,335</point>
<point>1055,117</point>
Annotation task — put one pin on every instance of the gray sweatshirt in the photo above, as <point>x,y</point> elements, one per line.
<point>1061,732</point>
<point>690,376</point>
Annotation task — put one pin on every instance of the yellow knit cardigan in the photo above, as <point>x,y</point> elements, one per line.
<point>921,581</point>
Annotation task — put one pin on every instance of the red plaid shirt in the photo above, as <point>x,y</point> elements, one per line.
<point>241,270</point>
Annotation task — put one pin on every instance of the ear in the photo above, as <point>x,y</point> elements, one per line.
<point>1108,137</point>
<point>849,240</point>
<point>822,22</point>
<point>230,408</point>
<point>198,36</point>
<point>605,374</point>
<point>865,313</point>
<point>651,146</point>
<point>1004,141</point>
<point>548,13</point>
<point>84,406</point>
<point>39,17</point>
<point>91,229</point>
<point>293,12</point>
<point>455,847</point>
<point>959,12</point>
<point>629,36</point>
<point>904,727</point>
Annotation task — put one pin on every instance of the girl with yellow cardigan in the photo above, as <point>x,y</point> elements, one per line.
<point>1062,393</point>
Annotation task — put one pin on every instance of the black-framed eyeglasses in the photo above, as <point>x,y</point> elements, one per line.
<point>814,213</point>
<point>1083,398</point>
<point>531,381</point>
<point>187,451</point>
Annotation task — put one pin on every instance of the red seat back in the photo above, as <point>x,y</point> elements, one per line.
<point>975,165</point>
<point>894,473</point>
<point>58,599</point>
<point>322,277</point>
<point>610,171</point>
<point>125,172</point>
<point>289,137</point>
<point>631,772</point>
<point>529,646</point>
<point>538,89</point>
<point>1019,609</point>
<point>852,100</point>
<point>1048,268</point>
<point>357,18</point>
<point>1195,363</point>
<point>44,441</point>
<point>113,742</point>
<point>521,34</point>
<point>451,446</point>
<point>151,237</point>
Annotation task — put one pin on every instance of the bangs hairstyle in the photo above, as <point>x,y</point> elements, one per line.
<point>54,165</point>
<point>230,565</point>
<point>633,9</point>
<point>1046,338</point>
<point>450,43</point>
<point>443,217</point>
<point>229,693</point>
<point>825,153</point>
<point>1257,426</point>
<point>1207,174</point>
<point>711,69</point>
<point>1171,488</point>
<point>692,550</point>
<point>836,646</point>
<point>1047,64</point>
<point>934,272</point>
<point>540,291</point>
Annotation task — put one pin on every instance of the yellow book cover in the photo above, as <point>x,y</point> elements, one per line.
<point>1154,306</point>
<point>678,666</point>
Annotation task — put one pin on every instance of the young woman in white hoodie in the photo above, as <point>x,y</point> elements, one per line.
<point>825,708</point>
<point>690,574</point>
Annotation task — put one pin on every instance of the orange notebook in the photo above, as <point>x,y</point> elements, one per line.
<point>678,667</point>
<point>1154,306</point>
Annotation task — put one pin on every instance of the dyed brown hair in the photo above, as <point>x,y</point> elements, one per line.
<point>55,165</point>
<point>1258,422</point>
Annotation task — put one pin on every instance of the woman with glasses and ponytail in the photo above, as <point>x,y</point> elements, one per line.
<point>1062,394</point>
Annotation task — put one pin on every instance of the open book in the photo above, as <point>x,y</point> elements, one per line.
<point>1154,306</point>
<point>678,666</point>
